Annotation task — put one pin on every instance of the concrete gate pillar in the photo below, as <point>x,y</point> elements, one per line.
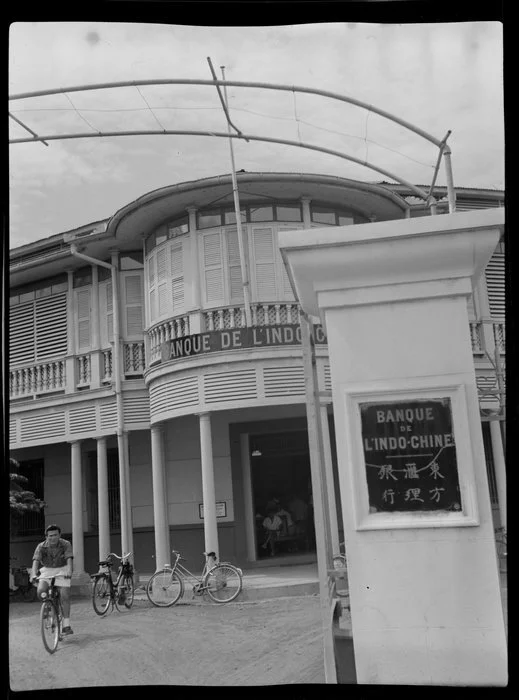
<point>424,585</point>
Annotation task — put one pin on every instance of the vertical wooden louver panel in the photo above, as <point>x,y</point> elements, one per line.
<point>213,269</point>
<point>133,303</point>
<point>495,277</point>
<point>286,288</point>
<point>83,319</point>
<point>234,266</point>
<point>263,245</point>
<point>51,326</point>
<point>177,277</point>
<point>21,334</point>
<point>163,283</point>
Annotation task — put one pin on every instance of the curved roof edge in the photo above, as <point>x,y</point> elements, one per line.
<point>252,176</point>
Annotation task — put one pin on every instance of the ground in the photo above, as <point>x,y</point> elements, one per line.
<point>266,642</point>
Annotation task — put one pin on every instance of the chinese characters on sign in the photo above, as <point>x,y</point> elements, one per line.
<point>410,455</point>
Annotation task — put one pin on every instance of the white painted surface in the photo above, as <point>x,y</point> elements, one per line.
<point>425,603</point>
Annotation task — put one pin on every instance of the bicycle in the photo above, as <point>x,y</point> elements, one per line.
<point>51,617</point>
<point>222,582</point>
<point>106,591</point>
<point>22,588</point>
<point>339,560</point>
<point>501,547</point>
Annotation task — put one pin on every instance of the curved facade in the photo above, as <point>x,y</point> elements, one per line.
<point>154,417</point>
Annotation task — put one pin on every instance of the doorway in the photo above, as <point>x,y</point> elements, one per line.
<point>281,484</point>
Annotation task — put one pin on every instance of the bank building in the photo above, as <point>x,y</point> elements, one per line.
<point>133,420</point>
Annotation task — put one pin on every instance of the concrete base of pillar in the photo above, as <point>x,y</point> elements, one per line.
<point>81,585</point>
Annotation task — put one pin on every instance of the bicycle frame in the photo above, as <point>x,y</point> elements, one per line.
<point>188,575</point>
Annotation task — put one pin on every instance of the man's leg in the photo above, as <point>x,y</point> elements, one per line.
<point>65,601</point>
<point>43,587</point>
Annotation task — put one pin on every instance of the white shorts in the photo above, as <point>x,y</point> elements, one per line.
<point>59,573</point>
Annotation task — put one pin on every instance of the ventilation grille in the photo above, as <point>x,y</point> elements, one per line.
<point>495,276</point>
<point>137,409</point>
<point>230,386</point>
<point>40,427</point>
<point>283,381</point>
<point>82,420</point>
<point>12,430</point>
<point>327,378</point>
<point>108,414</point>
<point>469,205</point>
<point>176,393</point>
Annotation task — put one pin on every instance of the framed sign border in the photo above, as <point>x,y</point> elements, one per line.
<point>217,503</point>
<point>410,390</point>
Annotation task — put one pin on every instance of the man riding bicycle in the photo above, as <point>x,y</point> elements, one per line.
<point>53,558</point>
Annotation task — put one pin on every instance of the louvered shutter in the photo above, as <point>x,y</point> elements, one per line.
<point>234,266</point>
<point>286,289</point>
<point>83,319</point>
<point>177,277</point>
<point>263,246</point>
<point>153,291</point>
<point>495,277</point>
<point>51,326</point>
<point>106,313</point>
<point>133,306</point>
<point>163,283</point>
<point>213,269</point>
<point>21,334</point>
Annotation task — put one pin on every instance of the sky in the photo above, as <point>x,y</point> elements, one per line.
<point>438,76</point>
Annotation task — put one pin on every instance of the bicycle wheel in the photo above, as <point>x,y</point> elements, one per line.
<point>49,626</point>
<point>223,583</point>
<point>165,588</point>
<point>101,595</point>
<point>126,593</point>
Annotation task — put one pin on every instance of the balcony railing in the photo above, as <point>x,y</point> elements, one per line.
<point>499,336</point>
<point>261,315</point>
<point>167,330</point>
<point>42,378</point>
<point>476,337</point>
<point>83,371</point>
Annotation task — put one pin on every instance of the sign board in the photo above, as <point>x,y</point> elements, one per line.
<point>410,455</point>
<point>221,510</point>
<point>236,339</point>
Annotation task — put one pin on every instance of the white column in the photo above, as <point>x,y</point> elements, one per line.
<point>307,217</point>
<point>499,468</point>
<point>129,519</point>
<point>77,508</point>
<point>96,355</point>
<point>328,465</point>
<point>70,369</point>
<point>160,505</point>
<point>208,490</point>
<point>103,513</point>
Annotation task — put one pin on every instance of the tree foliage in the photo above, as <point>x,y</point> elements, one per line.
<point>21,500</point>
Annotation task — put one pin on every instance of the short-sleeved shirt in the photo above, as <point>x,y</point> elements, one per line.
<point>273,523</point>
<point>53,557</point>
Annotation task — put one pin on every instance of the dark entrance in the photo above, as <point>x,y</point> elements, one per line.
<point>282,494</point>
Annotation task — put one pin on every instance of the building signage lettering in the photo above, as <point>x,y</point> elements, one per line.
<point>236,339</point>
<point>221,510</point>
<point>410,455</point>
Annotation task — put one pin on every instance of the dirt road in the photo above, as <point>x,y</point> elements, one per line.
<point>194,643</point>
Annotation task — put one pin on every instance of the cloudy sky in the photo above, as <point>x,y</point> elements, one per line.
<point>439,77</point>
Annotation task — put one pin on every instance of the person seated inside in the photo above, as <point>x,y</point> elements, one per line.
<point>299,511</point>
<point>272,524</point>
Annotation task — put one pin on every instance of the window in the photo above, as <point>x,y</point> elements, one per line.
<point>178,227</point>
<point>230,216</point>
<point>131,261</point>
<point>262,213</point>
<point>133,316</point>
<point>289,213</point>
<point>209,218</point>
<point>38,330</point>
<point>345,220</point>
<point>83,314</point>
<point>83,277</point>
<point>320,215</point>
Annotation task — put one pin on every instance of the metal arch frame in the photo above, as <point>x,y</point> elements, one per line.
<point>444,149</point>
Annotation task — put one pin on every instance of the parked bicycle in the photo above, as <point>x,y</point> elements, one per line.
<point>51,617</point>
<point>222,582</point>
<point>20,586</point>
<point>339,560</point>
<point>105,590</point>
<point>501,547</point>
